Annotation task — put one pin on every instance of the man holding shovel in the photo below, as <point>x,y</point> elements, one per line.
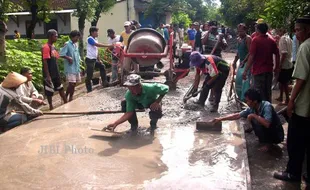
<point>263,118</point>
<point>216,70</point>
<point>140,95</point>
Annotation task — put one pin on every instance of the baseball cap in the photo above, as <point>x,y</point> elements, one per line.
<point>133,80</point>
<point>127,23</point>
<point>260,21</point>
<point>196,23</point>
<point>196,59</point>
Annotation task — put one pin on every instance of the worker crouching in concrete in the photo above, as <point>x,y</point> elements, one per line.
<point>9,100</point>
<point>263,118</point>
<point>216,70</point>
<point>140,95</point>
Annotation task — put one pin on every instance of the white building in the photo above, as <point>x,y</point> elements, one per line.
<point>64,21</point>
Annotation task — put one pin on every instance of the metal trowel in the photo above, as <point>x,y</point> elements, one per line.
<point>106,130</point>
<point>208,126</point>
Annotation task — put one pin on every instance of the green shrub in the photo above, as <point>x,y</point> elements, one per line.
<point>27,53</point>
<point>105,56</point>
<point>23,53</point>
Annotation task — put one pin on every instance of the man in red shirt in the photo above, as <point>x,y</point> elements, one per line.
<point>254,34</point>
<point>261,61</point>
<point>51,75</point>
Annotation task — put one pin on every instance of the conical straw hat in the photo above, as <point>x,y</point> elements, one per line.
<point>13,80</point>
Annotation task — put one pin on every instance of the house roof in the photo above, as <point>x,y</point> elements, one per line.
<point>29,13</point>
<point>61,4</point>
<point>65,4</point>
<point>54,4</point>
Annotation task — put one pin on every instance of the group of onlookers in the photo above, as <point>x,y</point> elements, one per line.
<point>255,73</point>
<point>263,57</point>
<point>18,91</point>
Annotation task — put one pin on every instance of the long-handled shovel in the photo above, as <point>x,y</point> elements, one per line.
<point>83,112</point>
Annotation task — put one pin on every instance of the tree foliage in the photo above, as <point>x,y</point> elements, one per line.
<point>196,10</point>
<point>277,13</point>
<point>181,18</point>
<point>6,6</point>
<point>103,7</point>
<point>85,11</point>
<point>40,10</point>
<point>159,8</point>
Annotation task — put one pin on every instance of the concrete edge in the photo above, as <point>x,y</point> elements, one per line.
<point>247,165</point>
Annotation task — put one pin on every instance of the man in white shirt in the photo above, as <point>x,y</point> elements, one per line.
<point>113,39</point>
<point>181,34</point>
<point>285,48</point>
<point>93,59</point>
<point>28,92</point>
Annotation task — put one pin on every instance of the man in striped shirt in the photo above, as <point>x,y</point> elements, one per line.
<point>216,70</point>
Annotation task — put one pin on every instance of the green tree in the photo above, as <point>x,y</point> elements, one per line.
<point>277,13</point>
<point>40,10</point>
<point>181,18</point>
<point>281,13</point>
<point>6,6</point>
<point>85,10</point>
<point>235,11</point>
<point>197,10</point>
<point>159,8</point>
<point>103,7</point>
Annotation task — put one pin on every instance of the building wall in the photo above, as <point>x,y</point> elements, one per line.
<point>64,27</point>
<point>75,26</point>
<point>114,19</point>
<point>40,27</point>
<point>133,14</point>
<point>22,26</point>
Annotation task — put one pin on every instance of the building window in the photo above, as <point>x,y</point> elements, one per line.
<point>28,23</point>
<point>51,25</point>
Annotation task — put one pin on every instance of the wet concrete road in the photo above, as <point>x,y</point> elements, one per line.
<point>63,153</point>
<point>57,152</point>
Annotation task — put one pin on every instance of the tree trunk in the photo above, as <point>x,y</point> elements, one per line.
<point>97,16</point>
<point>98,11</point>
<point>3,29</point>
<point>34,19</point>
<point>81,23</point>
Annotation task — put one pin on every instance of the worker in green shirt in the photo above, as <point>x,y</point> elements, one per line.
<point>141,95</point>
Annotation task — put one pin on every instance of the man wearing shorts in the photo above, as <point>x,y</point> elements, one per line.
<point>71,55</point>
<point>285,48</point>
<point>50,69</point>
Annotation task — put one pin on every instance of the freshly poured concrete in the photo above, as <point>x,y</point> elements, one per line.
<point>61,152</point>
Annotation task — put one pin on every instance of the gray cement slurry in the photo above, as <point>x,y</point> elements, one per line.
<point>61,152</point>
